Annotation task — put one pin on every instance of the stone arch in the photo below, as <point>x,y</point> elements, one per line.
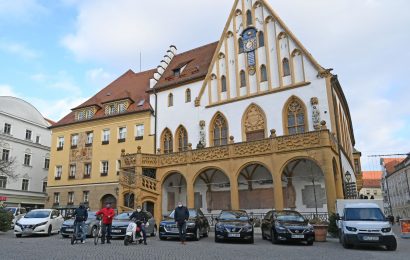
<point>129,199</point>
<point>108,198</point>
<point>294,116</point>
<point>167,141</point>
<point>254,123</point>
<point>181,139</point>
<point>218,130</point>
<point>257,4</point>
<point>173,189</point>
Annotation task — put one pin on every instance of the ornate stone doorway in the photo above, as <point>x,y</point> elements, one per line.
<point>174,189</point>
<point>108,198</point>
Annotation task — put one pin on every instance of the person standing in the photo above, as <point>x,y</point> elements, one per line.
<point>181,215</point>
<point>107,217</point>
<point>142,217</point>
<point>81,216</point>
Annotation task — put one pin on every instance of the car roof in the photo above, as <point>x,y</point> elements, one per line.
<point>361,205</point>
<point>240,211</point>
<point>42,210</point>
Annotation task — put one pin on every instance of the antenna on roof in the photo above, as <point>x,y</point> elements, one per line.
<point>140,61</point>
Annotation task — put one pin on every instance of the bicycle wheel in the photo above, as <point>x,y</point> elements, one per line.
<point>96,235</point>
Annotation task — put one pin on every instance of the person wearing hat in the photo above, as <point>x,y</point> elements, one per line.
<point>107,217</point>
<point>81,216</point>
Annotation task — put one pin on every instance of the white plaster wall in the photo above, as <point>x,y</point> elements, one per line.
<point>346,166</point>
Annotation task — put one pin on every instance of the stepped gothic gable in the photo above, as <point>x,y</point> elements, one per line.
<point>256,54</point>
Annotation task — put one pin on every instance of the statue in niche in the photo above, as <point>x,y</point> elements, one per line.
<point>315,112</point>
<point>202,135</point>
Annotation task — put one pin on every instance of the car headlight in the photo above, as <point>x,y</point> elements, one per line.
<point>351,229</point>
<point>40,224</point>
<point>191,224</point>
<point>386,230</point>
<point>280,229</point>
<point>18,224</point>
<point>247,228</point>
<point>219,227</point>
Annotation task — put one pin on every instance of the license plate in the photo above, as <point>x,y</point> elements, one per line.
<point>370,238</point>
<point>28,230</point>
<point>69,230</point>
<point>116,231</point>
<point>234,235</point>
<point>298,236</point>
<point>175,230</point>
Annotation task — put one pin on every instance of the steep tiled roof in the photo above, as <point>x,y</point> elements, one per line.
<point>130,85</point>
<point>371,183</point>
<point>390,163</point>
<point>197,63</point>
<point>372,179</point>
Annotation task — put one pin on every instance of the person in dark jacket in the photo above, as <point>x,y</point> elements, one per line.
<point>181,215</point>
<point>81,216</point>
<point>142,217</point>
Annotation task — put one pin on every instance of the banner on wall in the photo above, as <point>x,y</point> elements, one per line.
<point>405,228</point>
<point>3,198</point>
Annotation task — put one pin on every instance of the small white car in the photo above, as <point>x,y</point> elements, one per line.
<point>39,221</point>
<point>18,213</point>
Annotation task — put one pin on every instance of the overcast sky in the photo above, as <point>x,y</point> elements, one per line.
<point>55,54</point>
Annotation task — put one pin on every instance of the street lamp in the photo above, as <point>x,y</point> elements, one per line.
<point>348,177</point>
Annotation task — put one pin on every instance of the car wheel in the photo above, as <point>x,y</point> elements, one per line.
<point>197,234</point>
<point>251,241</point>
<point>206,234</point>
<point>18,235</point>
<point>64,236</point>
<point>345,243</point>
<point>126,240</point>
<point>154,231</point>
<point>217,240</point>
<point>392,246</point>
<point>50,228</point>
<point>273,238</point>
<point>162,237</point>
<point>93,231</point>
<point>309,243</point>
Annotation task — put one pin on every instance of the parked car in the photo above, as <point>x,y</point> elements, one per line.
<point>287,225</point>
<point>363,223</point>
<point>121,221</point>
<point>197,226</point>
<point>18,213</point>
<point>91,224</point>
<point>39,221</point>
<point>234,225</point>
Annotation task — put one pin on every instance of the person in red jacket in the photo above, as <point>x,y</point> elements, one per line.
<point>107,217</point>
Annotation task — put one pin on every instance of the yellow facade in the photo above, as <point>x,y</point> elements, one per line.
<point>97,185</point>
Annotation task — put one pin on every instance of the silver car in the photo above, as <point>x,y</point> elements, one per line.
<point>91,224</point>
<point>121,221</point>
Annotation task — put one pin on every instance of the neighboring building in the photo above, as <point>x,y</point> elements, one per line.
<point>371,185</point>
<point>249,122</point>
<point>87,143</point>
<point>396,185</point>
<point>24,138</point>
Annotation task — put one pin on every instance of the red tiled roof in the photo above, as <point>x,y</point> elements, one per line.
<point>371,183</point>
<point>368,175</point>
<point>130,85</point>
<point>51,122</point>
<point>390,163</point>
<point>197,60</point>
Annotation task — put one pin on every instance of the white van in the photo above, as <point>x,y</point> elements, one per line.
<point>18,213</point>
<point>361,223</point>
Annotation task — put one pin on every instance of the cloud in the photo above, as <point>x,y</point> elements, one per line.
<point>6,90</point>
<point>18,49</point>
<point>99,78</point>
<point>20,10</point>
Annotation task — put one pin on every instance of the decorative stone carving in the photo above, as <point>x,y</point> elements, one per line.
<point>129,160</point>
<point>149,160</point>
<point>172,159</point>
<point>314,102</point>
<point>252,148</point>
<point>202,134</point>
<point>214,153</point>
<point>254,119</point>
<point>299,141</point>
<point>325,73</point>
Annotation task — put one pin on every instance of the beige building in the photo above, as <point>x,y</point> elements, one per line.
<point>372,188</point>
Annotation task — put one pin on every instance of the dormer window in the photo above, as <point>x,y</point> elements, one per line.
<point>116,107</point>
<point>177,72</point>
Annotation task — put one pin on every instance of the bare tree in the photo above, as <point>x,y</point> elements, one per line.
<point>7,168</point>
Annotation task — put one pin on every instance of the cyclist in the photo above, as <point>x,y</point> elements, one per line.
<point>81,216</point>
<point>142,217</point>
<point>107,217</point>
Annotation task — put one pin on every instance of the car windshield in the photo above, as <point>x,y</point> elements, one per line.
<point>123,216</point>
<point>192,213</point>
<point>37,214</point>
<point>12,210</point>
<point>368,214</point>
<point>289,216</point>
<point>234,215</point>
<point>91,215</point>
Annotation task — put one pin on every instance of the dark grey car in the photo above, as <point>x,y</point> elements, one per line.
<point>91,224</point>
<point>121,221</point>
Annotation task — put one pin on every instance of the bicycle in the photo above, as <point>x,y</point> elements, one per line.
<point>77,234</point>
<point>97,232</point>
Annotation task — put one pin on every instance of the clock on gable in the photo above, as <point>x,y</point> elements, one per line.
<point>250,44</point>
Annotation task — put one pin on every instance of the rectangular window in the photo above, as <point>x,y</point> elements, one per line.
<point>37,139</point>
<point>118,167</point>
<point>27,159</point>
<point>44,186</point>
<point>73,169</point>
<point>106,136</point>
<point>71,197</point>
<point>28,135</point>
<point>86,196</point>
<point>104,168</point>
<point>24,184</point>
<point>139,132</point>
<point>56,198</point>
<point>90,137</point>
<point>87,170</point>
<point>60,144</point>
<point>81,115</point>
<point>122,133</point>
<point>3,182</point>
<point>46,163</point>
<point>7,129</point>
<point>74,140</point>
<point>122,107</point>
<point>59,171</point>
<point>89,114</point>
<point>5,155</point>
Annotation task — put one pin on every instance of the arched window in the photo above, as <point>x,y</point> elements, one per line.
<point>240,45</point>
<point>223,84</point>
<point>243,79</point>
<point>167,141</point>
<point>285,66</point>
<point>261,39</point>
<point>129,199</point>
<point>182,139</point>
<point>249,18</point>
<point>219,130</point>
<point>187,95</point>
<point>264,75</point>
<point>170,100</point>
<point>295,116</point>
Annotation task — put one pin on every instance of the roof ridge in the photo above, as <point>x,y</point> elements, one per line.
<point>197,48</point>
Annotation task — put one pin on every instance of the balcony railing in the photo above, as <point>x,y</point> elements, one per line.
<point>280,144</point>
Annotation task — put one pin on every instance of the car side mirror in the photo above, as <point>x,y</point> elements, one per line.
<point>338,217</point>
<point>217,219</point>
<point>251,219</point>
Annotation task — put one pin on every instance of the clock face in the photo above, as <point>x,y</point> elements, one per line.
<point>250,45</point>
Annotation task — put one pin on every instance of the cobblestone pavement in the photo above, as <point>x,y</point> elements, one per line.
<point>55,247</point>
